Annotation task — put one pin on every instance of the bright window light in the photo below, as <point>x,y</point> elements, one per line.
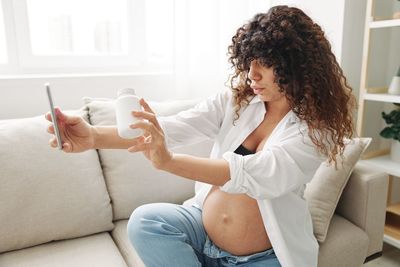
<point>75,27</point>
<point>159,30</point>
<point>3,46</point>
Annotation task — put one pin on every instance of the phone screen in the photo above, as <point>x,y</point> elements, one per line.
<point>53,116</point>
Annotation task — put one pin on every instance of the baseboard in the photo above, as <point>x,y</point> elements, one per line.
<point>373,256</point>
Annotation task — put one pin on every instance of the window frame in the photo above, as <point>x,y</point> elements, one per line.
<point>12,59</point>
<point>22,61</point>
<point>2,28</point>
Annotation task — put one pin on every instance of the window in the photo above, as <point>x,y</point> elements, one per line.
<point>76,27</point>
<point>159,37</point>
<point>3,45</point>
<point>70,36</point>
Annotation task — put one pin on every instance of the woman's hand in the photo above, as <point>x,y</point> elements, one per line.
<point>76,134</point>
<point>152,142</point>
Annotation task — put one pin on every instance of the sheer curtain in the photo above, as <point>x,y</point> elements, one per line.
<point>203,31</point>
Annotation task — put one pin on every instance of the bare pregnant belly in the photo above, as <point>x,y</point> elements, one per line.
<point>233,222</point>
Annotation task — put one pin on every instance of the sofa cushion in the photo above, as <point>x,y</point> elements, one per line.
<point>324,190</point>
<point>131,179</point>
<point>120,236</point>
<point>46,194</point>
<point>97,250</point>
<point>345,245</point>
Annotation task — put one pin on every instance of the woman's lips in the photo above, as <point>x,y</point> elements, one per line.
<point>257,90</point>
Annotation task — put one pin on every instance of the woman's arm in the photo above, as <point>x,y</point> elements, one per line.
<point>185,128</point>
<point>210,171</point>
<point>196,124</point>
<point>153,146</point>
<point>78,136</point>
<point>107,137</point>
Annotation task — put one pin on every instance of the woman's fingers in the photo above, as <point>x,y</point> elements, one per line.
<point>62,117</point>
<point>147,139</point>
<point>139,147</point>
<point>140,144</point>
<point>147,126</point>
<point>53,142</point>
<point>48,116</point>
<point>58,114</point>
<point>146,106</point>
<point>148,116</point>
<point>67,147</point>
<point>50,129</point>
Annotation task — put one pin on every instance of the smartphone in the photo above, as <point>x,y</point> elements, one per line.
<point>53,116</point>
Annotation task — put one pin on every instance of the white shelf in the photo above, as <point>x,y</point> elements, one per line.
<point>392,241</point>
<point>382,97</point>
<point>384,23</point>
<point>384,163</point>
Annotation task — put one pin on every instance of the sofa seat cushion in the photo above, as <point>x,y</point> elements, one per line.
<point>46,194</point>
<point>131,179</point>
<point>120,236</point>
<point>345,245</point>
<point>97,250</point>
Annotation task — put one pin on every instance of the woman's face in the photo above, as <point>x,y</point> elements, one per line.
<point>262,82</point>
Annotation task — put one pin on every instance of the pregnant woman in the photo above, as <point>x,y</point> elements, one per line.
<point>288,109</point>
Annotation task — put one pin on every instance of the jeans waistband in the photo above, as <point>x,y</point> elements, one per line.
<point>212,251</point>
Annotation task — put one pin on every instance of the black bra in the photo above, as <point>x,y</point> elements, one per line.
<point>241,150</point>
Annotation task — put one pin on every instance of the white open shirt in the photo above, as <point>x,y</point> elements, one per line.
<point>275,176</point>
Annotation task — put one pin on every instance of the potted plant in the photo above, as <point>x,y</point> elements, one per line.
<point>392,132</point>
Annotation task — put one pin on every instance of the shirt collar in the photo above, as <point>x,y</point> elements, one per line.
<point>292,117</point>
<point>255,99</point>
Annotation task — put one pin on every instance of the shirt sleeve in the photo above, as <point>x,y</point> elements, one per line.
<point>197,124</point>
<point>274,171</point>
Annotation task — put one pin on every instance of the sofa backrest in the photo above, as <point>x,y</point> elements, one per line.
<point>46,194</point>
<point>130,177</point>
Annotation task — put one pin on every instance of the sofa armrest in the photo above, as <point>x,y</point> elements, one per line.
<point>363,202</point>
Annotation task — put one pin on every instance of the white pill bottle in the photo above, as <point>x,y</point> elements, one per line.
<point>126,102</point>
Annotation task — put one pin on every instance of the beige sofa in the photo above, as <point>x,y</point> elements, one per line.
<point>59,209</point>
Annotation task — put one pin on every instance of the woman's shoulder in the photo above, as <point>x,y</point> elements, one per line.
<point>222,98</point>
<point>225,95</point>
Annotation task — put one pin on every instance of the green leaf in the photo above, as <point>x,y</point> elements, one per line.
<point>392,118</point>
<point>387,133</point>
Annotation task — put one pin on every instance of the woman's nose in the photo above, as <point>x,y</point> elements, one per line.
<point>253,74</point>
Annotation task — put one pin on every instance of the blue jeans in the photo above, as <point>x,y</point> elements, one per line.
<point>173,235</point>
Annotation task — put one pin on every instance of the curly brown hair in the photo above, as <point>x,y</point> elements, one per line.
<point>305,69</point>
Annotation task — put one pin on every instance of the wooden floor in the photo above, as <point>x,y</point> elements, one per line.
<point>390,258</point>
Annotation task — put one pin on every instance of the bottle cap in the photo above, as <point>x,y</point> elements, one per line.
<point>126,91</point>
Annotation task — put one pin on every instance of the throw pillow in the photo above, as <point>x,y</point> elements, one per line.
<point>46,195</point>
<point>324,190</point>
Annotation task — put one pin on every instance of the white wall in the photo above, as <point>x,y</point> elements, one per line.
<point>328,14</point>
<point>352,44</point>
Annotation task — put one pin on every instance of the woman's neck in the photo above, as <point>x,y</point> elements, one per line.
<point>277,109</point>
